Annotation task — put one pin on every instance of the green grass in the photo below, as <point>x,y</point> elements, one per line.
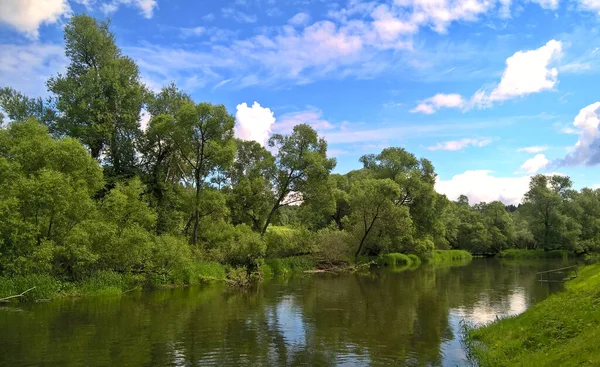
<point>45,287</point>
<point>559,331</point>
<point>534,254</point>
<point>441,257</point>
<point>287,266</point>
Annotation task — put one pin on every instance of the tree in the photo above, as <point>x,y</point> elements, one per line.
<point>302,168</point>
<point>416,179</point>
<point>544,205</point>
<point>203,136</point>
<point>19,107</point>
<point>161,161</point>
<point>375,209</point>
<point>251,177</point>
<point>100,97</point>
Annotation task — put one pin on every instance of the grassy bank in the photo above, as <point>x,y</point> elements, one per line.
<point>559,331</point>
<point>106,282</point>
<point>441,257</point>
<point>534,254</point>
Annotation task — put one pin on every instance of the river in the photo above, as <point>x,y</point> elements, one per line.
<point>407,318</point>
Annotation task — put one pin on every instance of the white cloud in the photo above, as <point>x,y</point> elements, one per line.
<point>253,123</point>
<point>590,5</point>
<point>547,4</point>
<point>481,185</point>
<point>587,149</point>
<point>440,100</point>
<point>238,16</point>
<point>195,31</point>
<point>533,149</point>
<point>535,164</point>
<point>146,7</point>
<point>526,72</point>
<point>208,17</point>
<point>299,19</point>
<point>27,67</point>
<point>312,116</point>
<point>26,16</point>
<point>453,145</point>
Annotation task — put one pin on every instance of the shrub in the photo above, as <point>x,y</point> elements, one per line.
<point>284,241</point>
<point>333,245</point>
<point>394,259</point>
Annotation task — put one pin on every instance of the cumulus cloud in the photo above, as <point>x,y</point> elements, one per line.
<point>194,31</point>
<point>589,5</point>
<point>526,72</point>
<point>587,149</point>
<point>440,100</point>
<point>533,149</point>
<point>238,16</point>
<point>482,186</point>
<point>26,16</point>
<point>460,144</point>
<point>535,164</point>
<point>253,123</point>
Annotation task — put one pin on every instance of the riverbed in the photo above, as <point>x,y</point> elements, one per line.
<point>385,317</point>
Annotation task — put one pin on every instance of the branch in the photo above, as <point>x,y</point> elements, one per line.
<point>15,296</point>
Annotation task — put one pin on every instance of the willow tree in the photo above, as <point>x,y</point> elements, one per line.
<point>100,96</point>
<point>302,168</point>
<point>203,136</point>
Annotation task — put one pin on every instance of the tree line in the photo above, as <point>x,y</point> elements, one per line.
<point>83,188</point>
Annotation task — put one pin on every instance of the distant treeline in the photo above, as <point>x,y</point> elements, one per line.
<point>84,189</point>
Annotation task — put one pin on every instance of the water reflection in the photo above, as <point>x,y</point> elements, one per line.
<point>409,318</point>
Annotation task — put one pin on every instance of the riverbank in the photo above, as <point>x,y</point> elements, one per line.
<point>561,330</point>
<point>534,254</point>
<point>43,287</point>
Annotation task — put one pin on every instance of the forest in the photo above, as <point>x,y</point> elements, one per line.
<point>86,192</point>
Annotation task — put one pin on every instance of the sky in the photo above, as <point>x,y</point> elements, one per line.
<point>491,92</point>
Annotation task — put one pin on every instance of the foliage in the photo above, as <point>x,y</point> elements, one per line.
<point>289,265</point>
<point>561,330</point>
<point>535,254</point>
<point>446,256</point>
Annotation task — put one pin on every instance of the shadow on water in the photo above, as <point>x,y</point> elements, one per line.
<point>408,318</point>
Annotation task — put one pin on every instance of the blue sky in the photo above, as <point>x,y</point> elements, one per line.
<point>490,91</point>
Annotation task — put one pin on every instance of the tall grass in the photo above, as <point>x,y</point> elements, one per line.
<point>449,256</point>
<point>45,287</point>
<point>286,266</point>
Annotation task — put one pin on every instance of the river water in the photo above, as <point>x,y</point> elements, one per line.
<point>402,318</point>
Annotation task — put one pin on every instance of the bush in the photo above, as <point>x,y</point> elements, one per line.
<point>239,246</point>
<point>333,245</point>
<point>105,282</point>
<point>284,242</point>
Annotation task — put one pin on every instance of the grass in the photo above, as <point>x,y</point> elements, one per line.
<point>559,331</point>
<point>281,267</point>
<point>45,287</point>
<point>441,257</point>
<point>534,254</point>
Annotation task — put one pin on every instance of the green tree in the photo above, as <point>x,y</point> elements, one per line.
<point>100,96</point>
<point>203,136</point>
<point>302,168</point>
<point>19,107</point>
<point>416,179</point>
<point>544,205</point>
<point>375,211</point>
<point>161,161</point>
<point>251,177</point>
